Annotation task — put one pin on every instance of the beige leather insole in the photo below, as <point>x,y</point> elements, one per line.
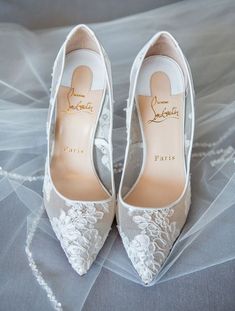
<point>72,167</point>
<point>162,178</point>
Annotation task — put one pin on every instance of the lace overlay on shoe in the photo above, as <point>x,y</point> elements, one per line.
<point>155,234</point>
<point>101,150</point>
<point>75,228</point>
<point>148,234</point>
<point>47,185</point>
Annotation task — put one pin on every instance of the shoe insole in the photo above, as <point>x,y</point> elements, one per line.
<point>79,102</point>
<point>160,98</point>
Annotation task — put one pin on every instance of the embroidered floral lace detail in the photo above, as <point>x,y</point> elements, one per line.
<point>149,248</point>
<point>103,127</point>
<point>75,228</point>
<point>104,121</point>
<point>102,134</point>
<point>187,200</point>
<point>47,186</point>
<point>103,146</point>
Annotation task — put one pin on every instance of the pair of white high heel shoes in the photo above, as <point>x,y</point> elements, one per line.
<point>154,194</point>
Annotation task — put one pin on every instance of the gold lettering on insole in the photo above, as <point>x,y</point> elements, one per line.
<point>163,158</point>
<point>73,150</point>
<point>160,113</point>
<point>79,106</point>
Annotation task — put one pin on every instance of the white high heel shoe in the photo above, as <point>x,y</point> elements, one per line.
<point>79,194</point>
<point>154,195</point>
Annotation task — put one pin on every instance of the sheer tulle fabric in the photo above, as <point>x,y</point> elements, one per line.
<point>205,32</point>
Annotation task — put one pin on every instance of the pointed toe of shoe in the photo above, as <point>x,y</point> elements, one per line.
<point>148,236</point>
<point>83,253</point>
<point>82,229</point>
<point>81,249</point>
<point>144,254</point>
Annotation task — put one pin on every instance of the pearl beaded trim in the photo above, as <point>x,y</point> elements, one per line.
<point>38,275</point>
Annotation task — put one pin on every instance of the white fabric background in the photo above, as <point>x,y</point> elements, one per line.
<point>45,14</point>
<point>204,29</point>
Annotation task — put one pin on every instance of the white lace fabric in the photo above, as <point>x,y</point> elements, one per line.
<point>207,238</point>
<point>81,226</point>
<point>148,234</point>
<point>77,231</point>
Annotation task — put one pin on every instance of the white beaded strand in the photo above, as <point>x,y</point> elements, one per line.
<point>38,275</point>
<point>19,177</point>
